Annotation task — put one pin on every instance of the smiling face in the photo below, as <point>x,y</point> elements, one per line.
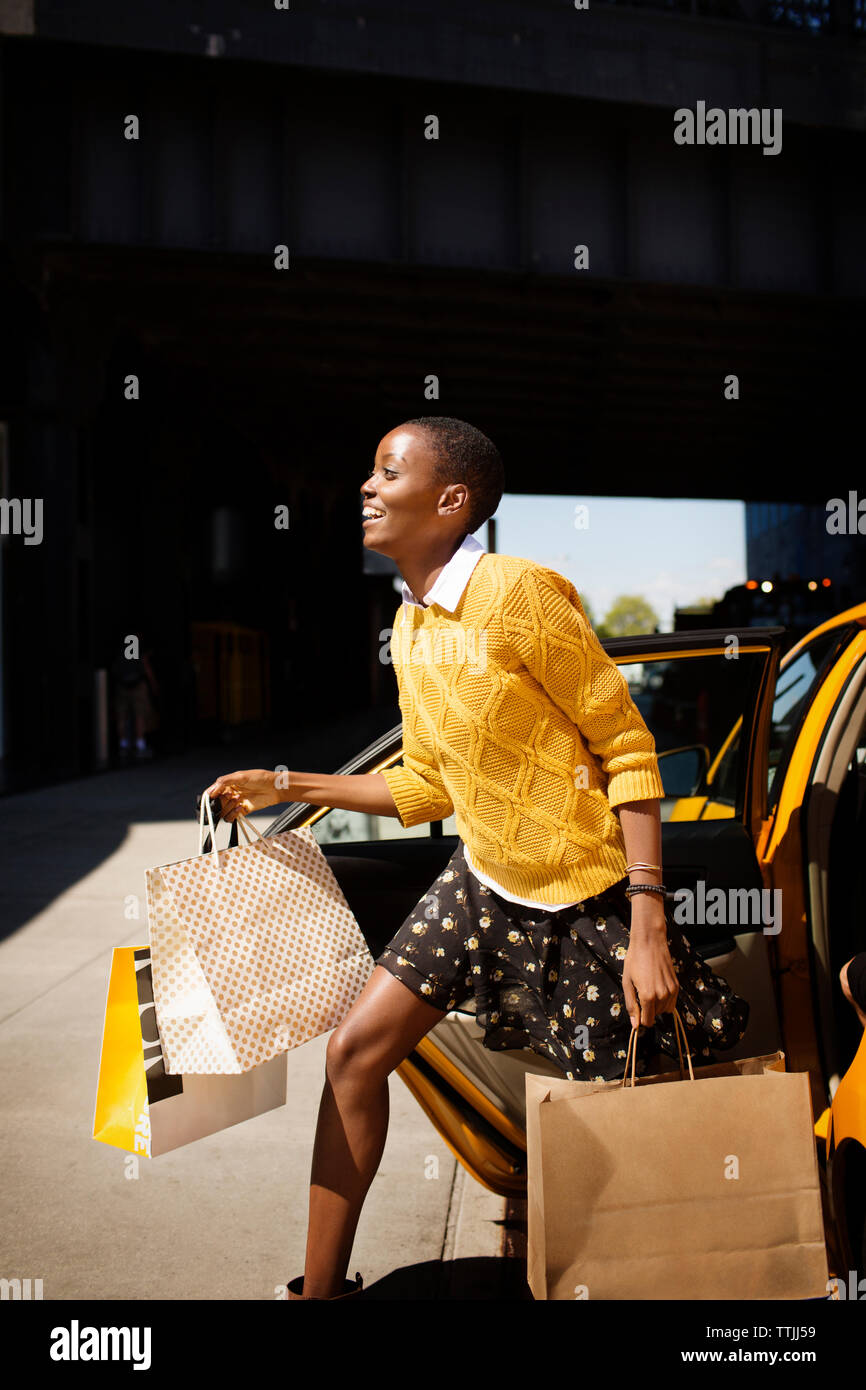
<point>403,507</point>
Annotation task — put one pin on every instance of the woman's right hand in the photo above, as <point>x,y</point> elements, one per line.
<point>241,793</point>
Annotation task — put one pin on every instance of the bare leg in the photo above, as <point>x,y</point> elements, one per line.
<point>380,1030</point>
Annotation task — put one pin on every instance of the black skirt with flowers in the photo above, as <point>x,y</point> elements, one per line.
<point>539,977</point>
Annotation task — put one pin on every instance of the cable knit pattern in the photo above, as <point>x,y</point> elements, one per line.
<point>516,719</point>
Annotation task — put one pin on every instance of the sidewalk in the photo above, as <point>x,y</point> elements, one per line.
<point>226,1216</point>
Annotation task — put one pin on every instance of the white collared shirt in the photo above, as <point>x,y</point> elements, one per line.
<point>446,592</point>
<point>453,578</point>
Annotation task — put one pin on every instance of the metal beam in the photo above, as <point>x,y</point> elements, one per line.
<point>665,56</point>
<point>230,159</point>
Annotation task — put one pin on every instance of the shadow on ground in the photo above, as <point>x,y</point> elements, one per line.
<point>482,1279</point>
<point>52,837</point>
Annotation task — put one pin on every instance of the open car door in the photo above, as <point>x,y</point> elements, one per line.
<point>707,699</point>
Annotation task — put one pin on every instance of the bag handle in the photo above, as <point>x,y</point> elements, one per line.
<point>241,821</point>
<point>632,1051</point>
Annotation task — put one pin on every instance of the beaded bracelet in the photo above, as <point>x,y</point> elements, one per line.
<point>657,888</point>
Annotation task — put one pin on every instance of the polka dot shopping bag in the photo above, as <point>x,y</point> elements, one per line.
<point>254,950</point>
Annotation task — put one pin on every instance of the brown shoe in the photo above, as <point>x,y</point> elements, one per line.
<point>295,1289</point>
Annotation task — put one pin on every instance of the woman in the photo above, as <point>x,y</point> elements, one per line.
<point>549,912</point>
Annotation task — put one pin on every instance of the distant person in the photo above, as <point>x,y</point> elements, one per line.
<point>135,688</point>
<point>852,978</point>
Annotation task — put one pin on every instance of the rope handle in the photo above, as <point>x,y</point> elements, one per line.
<point>242,823</point>
<point>631,1052</point>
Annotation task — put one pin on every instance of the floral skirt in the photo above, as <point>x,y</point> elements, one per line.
<point>552,981</point>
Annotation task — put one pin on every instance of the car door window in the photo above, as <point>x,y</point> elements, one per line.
<point>336,825</point>
<point>796,688</point>
<point>695,706</point>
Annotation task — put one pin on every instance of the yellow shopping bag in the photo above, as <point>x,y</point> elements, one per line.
<point>139,1107</point>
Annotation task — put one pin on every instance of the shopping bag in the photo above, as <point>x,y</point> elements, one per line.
<point>680,1185</point>
<point>140,1107</point>
<point>254,949</point>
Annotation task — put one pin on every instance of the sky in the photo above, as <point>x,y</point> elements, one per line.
<point>670,551</point>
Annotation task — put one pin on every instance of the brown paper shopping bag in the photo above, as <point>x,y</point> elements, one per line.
<point>682,1186</point>
<point>254,951</point>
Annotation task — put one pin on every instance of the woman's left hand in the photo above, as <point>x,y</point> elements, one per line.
<point>648,971</point>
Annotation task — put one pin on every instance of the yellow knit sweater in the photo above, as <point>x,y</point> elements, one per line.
<point>517,721</point>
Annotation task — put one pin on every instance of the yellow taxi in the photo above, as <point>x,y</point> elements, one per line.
<point>763,761</point>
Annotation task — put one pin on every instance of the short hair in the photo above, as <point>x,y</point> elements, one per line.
<point>462,454</point>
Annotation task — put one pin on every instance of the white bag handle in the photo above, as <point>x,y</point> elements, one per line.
<point>243,824</point>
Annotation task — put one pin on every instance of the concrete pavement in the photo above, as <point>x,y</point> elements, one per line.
<point>224,1217</point>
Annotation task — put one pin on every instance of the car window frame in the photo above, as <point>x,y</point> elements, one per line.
<point>846,634</point>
